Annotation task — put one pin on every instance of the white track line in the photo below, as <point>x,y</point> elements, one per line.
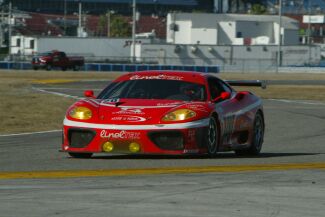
<point>298,102</point>
<point>56,93</point>
<point>31,133</point>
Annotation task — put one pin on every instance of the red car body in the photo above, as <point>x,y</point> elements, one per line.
<point>175,113</point>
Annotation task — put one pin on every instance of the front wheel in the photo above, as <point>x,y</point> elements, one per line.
<point>80,155</point>
<point>76,68</point>
<point>212,137</point>
<point>257,139</point>
<point>48,67</point>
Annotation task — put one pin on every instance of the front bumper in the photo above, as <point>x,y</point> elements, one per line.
<point>182,138</point>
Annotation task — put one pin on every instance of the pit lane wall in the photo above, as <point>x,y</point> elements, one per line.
<point>120,67</point>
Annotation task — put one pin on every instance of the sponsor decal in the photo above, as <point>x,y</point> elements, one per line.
<point>128,118</point>
<point>119,135</point>
<point>169,104</point>
<point>191,151</point>
<point>150,77</point>
<point>125,110</point>
<point>129,42</point>
<point>113,100</point>
<point>197,108</point>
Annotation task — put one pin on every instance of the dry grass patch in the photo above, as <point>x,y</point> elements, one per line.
<point>294,92</point>
<point>24,110</point>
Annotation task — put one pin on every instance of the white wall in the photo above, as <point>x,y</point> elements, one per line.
<point>91,48</point>
<point>183,35</point>
<point>204,36</point>
<point>237,56</point>
<point>276,33</point>
<point>24,48</point>
<point>226,33</point>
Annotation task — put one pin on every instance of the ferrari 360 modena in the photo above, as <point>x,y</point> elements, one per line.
<point>166,112</point>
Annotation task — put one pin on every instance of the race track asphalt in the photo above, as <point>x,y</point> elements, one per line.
<point>287,179</point>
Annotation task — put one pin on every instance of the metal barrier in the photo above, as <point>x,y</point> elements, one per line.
<point>120,67</point>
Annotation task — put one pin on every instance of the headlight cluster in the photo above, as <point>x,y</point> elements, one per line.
<point>81,113</point>
<point>179,115</point>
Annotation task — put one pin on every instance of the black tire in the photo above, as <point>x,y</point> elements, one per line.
<point>76,68</point>
<point>35,68</point>
<point>64,68</point>
<point>212,137</point>
<point>48,67</point>
<point>80,155</point>
<point>257,139</point>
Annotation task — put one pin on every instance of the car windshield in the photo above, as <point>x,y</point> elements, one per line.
<point>44,54</point>
<point>155,89</point>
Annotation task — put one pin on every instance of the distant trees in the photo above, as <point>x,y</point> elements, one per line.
<point>120,27</point>
<point>258,9</point>
<point>256,6</point>
<point>115,25</point>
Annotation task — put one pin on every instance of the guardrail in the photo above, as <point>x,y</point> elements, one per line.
<point>120,67</point>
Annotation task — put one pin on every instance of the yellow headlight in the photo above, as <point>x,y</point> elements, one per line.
<point>108,146</point>
<point>179,115</point>
<point>134,147</point>
<point>81,113</point>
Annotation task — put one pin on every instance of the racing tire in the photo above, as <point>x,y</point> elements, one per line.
<point>80,155</point>
<point>257,139</point>
<point>35,68</point>
<point>212,138</point>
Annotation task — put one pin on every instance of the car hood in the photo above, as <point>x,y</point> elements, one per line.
<point>139,111</point>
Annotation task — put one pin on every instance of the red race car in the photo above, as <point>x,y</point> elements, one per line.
<point>166,112</point>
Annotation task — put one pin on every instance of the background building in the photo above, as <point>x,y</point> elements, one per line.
<point>230,29</point>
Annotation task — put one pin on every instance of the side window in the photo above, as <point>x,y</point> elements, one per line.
<point>225,87</point>
<point>216,87</point>
<point>32,44</point>
<point>62,55</point>
<point>56,57</point>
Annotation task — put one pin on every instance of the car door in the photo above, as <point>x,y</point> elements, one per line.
<point>228,110</point>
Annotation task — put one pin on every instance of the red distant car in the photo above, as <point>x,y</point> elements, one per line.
<point>57,59</point>
<point>166,112</point>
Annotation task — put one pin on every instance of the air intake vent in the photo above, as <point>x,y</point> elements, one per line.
<point>79,138</point>
<point>168,140</point>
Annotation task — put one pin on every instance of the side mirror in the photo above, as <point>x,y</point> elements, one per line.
<point>89,93</point>
<point>223,96</point>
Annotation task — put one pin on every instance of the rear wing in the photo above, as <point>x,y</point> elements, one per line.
<point>247,83</point>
